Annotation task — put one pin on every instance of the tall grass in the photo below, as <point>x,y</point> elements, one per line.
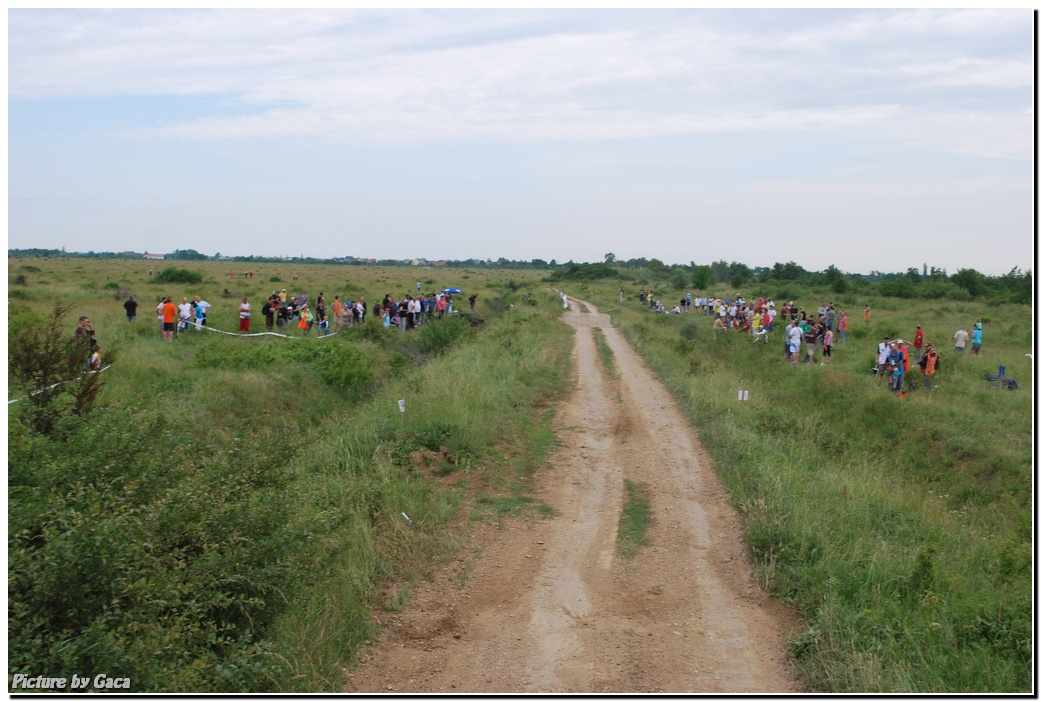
<point>233,516</point>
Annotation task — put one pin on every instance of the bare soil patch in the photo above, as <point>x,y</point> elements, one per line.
<point>545,605</point>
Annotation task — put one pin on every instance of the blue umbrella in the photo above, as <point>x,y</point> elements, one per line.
<point>454,291</point>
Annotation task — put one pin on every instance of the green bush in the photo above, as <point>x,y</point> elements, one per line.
<point>338,363</point>
<point>177,275</point>
<point>439,335</point>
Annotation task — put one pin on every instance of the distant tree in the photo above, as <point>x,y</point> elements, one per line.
<point>789,271</point>
<point>1019,285</point>
<point>656,266</point>
<point>187,255</point>
<point>609,258</point>
<point>836,280</point>
<point>739,274</point>
<point>703,277</point>
<point>972,280</point>
<point>912,274</point>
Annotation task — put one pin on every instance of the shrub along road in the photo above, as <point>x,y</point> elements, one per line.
<point>548,605</point>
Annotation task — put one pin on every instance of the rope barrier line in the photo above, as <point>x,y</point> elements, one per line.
<point>266,333</point>
<point>51,387</point>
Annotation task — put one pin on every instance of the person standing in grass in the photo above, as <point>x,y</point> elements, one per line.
<point>202,308</point>
<point>244,316</point>
<point>977,337</point>
<point>929,364</point>
<point>896,370</point>
<point>843,325</point>
<point>961,337</point>
<point>918,341</point>
<point>337,313</point>
<point>185,311</point>
<point>85,331</point>
<point>282,318</point>
<point>882,358</point>
<point>794,340</point>
<point>269,314</point>
<point>867,313</point>
<point>131,307</point>
<point>169,318</point>
<point>810,335</point>
<point>826,353</point>
<point>94,363</point>
<point>718,327</point>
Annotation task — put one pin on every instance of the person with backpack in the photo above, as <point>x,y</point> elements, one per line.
<point>269,315</point>
<point>929,364</point>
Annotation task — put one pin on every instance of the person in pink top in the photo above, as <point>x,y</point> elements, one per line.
<point>843,325</point>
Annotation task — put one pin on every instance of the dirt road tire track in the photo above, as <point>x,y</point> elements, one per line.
<point>549,606</point>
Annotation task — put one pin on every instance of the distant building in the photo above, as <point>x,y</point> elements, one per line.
<point>155,257</point>
<point>130,253</point>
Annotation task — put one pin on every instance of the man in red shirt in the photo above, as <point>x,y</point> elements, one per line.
<point>917,343</point>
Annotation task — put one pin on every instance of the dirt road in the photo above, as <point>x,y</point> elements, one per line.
<point>547,605</point>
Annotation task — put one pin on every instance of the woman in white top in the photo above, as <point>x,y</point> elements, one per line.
<point>244,316</point>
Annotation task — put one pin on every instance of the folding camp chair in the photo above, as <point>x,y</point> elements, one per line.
<point>995,378</point>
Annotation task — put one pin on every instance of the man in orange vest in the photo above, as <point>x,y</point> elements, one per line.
<point>929,364</point>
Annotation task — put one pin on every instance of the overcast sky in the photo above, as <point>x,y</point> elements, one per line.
<point>871,140</point>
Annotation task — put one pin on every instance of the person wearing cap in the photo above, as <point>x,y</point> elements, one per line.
<point>977,337</point>
<point>918,341</point>
<point>883,356</point>
<point>929,364</point>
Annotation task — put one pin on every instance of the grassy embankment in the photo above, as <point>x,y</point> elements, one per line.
<point>899,528</point>
<point>237,510</point>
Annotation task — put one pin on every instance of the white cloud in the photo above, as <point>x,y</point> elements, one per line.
<point>392,77</point>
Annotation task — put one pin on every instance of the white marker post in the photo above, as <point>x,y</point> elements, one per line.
<point>401,408</point>
<point>742,395</point>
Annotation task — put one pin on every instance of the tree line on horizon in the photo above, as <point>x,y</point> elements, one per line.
<point>929,283</point>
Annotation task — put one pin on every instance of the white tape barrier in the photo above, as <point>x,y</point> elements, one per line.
<point>282,336</point>
<point>51,387</point>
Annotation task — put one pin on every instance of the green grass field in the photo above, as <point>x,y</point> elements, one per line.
<point>231,515</point>
<point>901,528</point>
<point>233,512</point>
